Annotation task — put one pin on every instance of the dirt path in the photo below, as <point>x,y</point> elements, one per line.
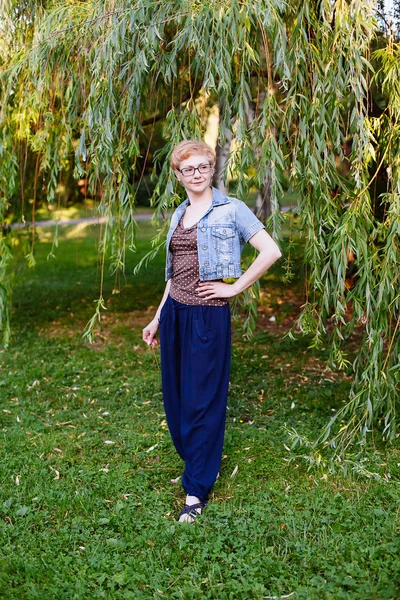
<point>94,220</point>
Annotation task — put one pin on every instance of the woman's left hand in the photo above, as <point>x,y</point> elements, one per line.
<point>216,289</point>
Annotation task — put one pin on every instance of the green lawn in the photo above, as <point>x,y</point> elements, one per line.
<point>87,506</point>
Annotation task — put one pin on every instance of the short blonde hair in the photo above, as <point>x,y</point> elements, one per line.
<point>188,147</point>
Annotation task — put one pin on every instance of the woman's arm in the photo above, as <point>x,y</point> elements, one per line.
<point>268,254</point>
<point>149,332</point>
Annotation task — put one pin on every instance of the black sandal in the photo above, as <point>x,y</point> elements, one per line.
<point>191,511</point>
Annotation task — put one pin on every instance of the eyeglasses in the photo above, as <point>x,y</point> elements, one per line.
<point>189,171</point>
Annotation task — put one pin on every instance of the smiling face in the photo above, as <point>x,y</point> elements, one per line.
<point>198,181</point>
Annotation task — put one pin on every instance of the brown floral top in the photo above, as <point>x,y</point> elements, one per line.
<point>185,268</point>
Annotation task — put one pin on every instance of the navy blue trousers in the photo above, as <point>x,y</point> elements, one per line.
<point>195,364</point>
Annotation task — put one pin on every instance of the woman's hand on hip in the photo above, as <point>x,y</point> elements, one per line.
<point>149,333</point>
<point>216,289</point>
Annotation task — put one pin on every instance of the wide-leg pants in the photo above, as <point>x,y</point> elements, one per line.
<point>195,365</point>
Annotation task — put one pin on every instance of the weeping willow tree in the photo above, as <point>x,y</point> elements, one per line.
<point>85,79</point>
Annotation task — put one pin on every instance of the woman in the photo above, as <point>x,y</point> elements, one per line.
<point>204,244</point>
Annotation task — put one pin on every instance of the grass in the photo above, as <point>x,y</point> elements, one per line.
<point>87,506</point>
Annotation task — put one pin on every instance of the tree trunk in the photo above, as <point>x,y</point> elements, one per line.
<point>222,151</point>
<point>263,199</point>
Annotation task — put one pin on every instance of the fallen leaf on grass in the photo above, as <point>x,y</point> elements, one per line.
<point>109,442</point>
<point>279,597</point>
<point>57,476</point>
<point>235,470</point>
<point>34,384</point>
<point>152,448</point>
<point>17,480</point>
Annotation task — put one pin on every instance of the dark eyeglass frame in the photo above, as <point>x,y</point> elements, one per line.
<point>209,165</point>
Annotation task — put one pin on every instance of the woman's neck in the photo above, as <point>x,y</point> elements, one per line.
<point>203,199</point>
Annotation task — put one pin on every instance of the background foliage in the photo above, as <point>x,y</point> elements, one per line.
<point>311,95</point>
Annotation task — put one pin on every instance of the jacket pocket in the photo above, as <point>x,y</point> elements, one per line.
<point>223,238</point>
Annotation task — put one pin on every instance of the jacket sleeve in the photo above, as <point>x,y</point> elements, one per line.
<point>247,223</point>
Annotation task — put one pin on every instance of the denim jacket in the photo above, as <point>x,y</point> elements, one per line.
<point>221,234</point>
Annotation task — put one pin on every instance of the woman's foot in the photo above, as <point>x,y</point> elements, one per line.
<point>193,507</point>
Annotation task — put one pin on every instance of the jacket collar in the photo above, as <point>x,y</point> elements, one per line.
<point>218,197</point>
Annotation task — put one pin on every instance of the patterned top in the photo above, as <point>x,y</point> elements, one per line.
<point>185,265</point>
